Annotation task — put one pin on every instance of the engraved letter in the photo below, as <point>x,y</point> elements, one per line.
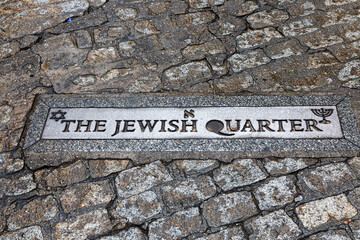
<point>117,127</point>
<point>281,127</point>
<point>264,124</point>
<point>147,125</point>
<point>67,124</point>
<point>163,122</point>
<point>98,124</point>
<point>248,124</point>
<point>175,126</point>
<point>294,124</point>
<point>127,124</point>
<point>184,125</point>
<point>228,126</point>
<point>79,125</point>
<point>311,123</point>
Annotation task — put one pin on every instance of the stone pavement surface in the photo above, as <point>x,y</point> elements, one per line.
<point>177,47</point>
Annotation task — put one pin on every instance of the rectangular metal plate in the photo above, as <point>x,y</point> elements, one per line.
<point>193,122</point>
<point>67,127</point>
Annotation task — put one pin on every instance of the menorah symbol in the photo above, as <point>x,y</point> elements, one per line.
<point>324,113</point>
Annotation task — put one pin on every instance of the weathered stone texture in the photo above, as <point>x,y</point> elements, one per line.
<point>139,179</point>
<point>194,167</point>
<point>284,49</point>
<point>276,192</point>
<point>317,213</point>
<point>252,39</point>
<point>102,168</point>
<point>286,165</point>
<point>62,176</point>
<point>354,197</point>
<point>267,18</point>
<point>275,225</point>
<point>231,233</point>
<point>17,184</point>
<point>240,62</point>
<point>33,233</point>
<point>237,174</point>
<point>188,193</point>
<point>83,226</point>
<point>138,208</point>
<point>179,225</point>
<point>330,235</point>
<point>34,212</point>
<point>329,179</point>
<point>228,208</point>
<point>130,234</point>
<point>9,164</point>
<point>355,228</point>
<point>86,195</point>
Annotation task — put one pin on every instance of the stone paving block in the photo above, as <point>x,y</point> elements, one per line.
<point>299,26</point>
<point>83,226</point>
<point>133,233</point>
<point>227,25</point>
<point>228,208</point>
<point>34,212</point>
<point>9,164</point>
<point>350,74</point>
<point>86,195</point>
<point>63,176</point>
<point>355,228</point>
<point>237,174</point>
<point>139,179</point>
<point>138,208</point>
<point>276,192</point>
<point>275,225</point>
<point>231,233</point>
<point>286,165</point>
<point>194,167</point>
<point>17,184</point>
<point>103,168</point>
<point>240,62</point>
<point>83,39</point>
<point>186,73</point>
<point>29,18</point>
<point>328,179</point>
<point>263,19</point>
<point>255,38</point>
<point>345,52</point>
<point>324,211</point>
<point>354,197</point>
<point>234,83</point>
<point>239,8</point>
<point>355,164</point>
<point>178,225</point>
<point>9,49</point>
<point>330,235</point>
<point>33,233</point>
<point>192,191</point>
<point>321,39</point>
<point>198,52</point>
<point>284,49</point>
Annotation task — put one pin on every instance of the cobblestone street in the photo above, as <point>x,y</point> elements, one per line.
<point>176,48</point>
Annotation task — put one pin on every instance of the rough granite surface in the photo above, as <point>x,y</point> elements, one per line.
<point>172,49</point>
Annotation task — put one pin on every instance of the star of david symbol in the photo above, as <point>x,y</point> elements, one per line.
<point>58,115</point>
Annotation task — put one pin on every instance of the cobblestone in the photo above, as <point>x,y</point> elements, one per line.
<point>275,193</point>
<point>139,179</point>
<point>316,213</point>
<point>85,195</point>
<point>131,234</point>
<point>228,208</point>
<point>83,226</point>
<point>237,174</point>
<point>231,233</point>
<point>286,165</point>
<point>194,167</point>
<point>62,176</point>
<point>139,208</point>
<point>33,233</point>
<point>329,235</point>
<point>329,179</point>
<point>275,225</point>
<point>179,225</point>
<point>103,168</point>
<point>17,185</point>
<point>9,164</point>
<point>355,227</point>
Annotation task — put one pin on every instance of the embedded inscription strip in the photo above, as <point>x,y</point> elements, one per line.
<point>193,123</point>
